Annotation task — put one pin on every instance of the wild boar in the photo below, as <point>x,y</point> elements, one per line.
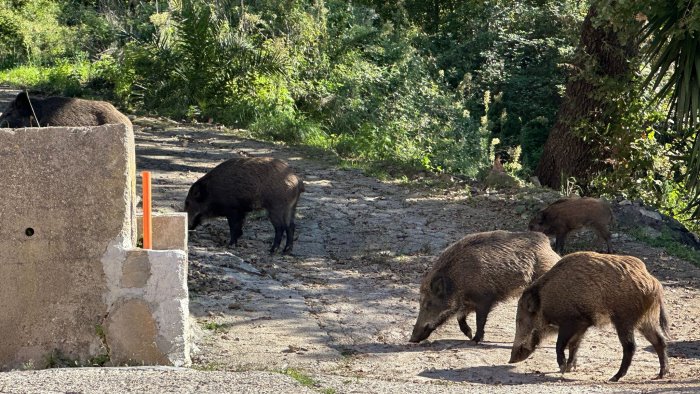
<point>591,289</point>
<point>59,111</point>
<point>568,214</point>
<point>477,272</point>
<point>241,185</point>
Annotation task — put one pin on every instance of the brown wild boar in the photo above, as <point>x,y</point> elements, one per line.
<point>240,185</point>
<point>591,289</point>
<point>568,214</point>
<point>477,272</point>
<point>59,111</point>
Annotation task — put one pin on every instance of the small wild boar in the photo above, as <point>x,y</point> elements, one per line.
<point>477,272</point>
<point>568,214</point>
<point>590,289</point>
<point>240,185</point>
<point>59,111</point>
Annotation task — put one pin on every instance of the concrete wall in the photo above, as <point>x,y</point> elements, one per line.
<point>73,286</point>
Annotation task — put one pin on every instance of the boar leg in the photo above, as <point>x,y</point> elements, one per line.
<point>570,336</point>
<point>482,312</point>
<point>559,243</point>
<point>656,338</point>
<point>574,344</point>
<point>278,223</point>
<point>626,335</point>
<point>462,320</point>
<point>235,224</point>
<point>605,235</point>
<point>290,228</point>
<point>290,238</point>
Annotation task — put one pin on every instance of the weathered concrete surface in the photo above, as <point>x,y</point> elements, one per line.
<point>169,230</point>
<point>74,287</point>
<point>66,195</point>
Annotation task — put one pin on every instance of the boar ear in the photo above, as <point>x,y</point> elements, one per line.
<point>22,105</point>
<point>440,286</point>
<point>542,217</point>
<point>531,300</point>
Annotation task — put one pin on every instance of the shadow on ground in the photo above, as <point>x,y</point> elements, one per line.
<point>496,374</point>
<point>684,349</point>
<point>430,346</point>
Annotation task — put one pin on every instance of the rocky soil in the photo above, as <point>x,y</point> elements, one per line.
<point>339,311</point>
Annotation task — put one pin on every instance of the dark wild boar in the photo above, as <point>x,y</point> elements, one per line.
<point>590,289</point>
<point>568,214</point>
<point>240,185</point>
<point>59,111</point>
<point>477,272</point>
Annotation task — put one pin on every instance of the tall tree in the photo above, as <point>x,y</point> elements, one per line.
<point>601,65</point>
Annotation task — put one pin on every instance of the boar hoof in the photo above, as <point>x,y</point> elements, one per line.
<point>468,333</point>
<point>568,367</point>
<point>464,327</point>
<point>478,338</point>
<point>614,378</point>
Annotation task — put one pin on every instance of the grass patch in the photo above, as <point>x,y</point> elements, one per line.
<point>80,78</point>
<point>669,244</point>
<point>306,380</point>
<point>60,79</point>
<point>56,359</point>
<point>214,326</point>
<point>302,378</point>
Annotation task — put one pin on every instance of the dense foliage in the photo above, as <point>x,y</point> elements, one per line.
<point>443,85</point>
<point>375,82</point>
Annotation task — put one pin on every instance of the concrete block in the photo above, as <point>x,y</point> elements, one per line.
<point>74,286</point>
<point>169,230</point>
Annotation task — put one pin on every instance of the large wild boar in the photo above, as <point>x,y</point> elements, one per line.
<point>240,185</point>
<point>59,111</point>
<point>590,289</point>
<point>568,214</point>
<point>477,272</point>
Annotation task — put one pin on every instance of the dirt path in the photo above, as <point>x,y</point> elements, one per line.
<point>342,307</point>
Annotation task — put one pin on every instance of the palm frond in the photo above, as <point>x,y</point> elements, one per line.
<point>672,53</point>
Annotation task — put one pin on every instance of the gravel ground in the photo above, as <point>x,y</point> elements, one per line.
<point>336,315</point>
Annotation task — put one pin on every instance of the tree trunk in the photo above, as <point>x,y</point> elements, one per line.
<point>601,57</point>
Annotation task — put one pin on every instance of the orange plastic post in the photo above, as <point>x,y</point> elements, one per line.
<point>147,223</point>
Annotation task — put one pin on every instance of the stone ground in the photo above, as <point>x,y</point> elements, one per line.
<point>340,310</point>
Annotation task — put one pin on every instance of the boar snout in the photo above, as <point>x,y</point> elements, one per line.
<point>193,220</point>
<point>519,354</point>
<point>421,332</point>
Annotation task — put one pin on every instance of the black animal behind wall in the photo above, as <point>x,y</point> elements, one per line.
<point>59,111</point>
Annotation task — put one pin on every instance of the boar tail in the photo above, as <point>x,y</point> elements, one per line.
<point>663,321</point>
